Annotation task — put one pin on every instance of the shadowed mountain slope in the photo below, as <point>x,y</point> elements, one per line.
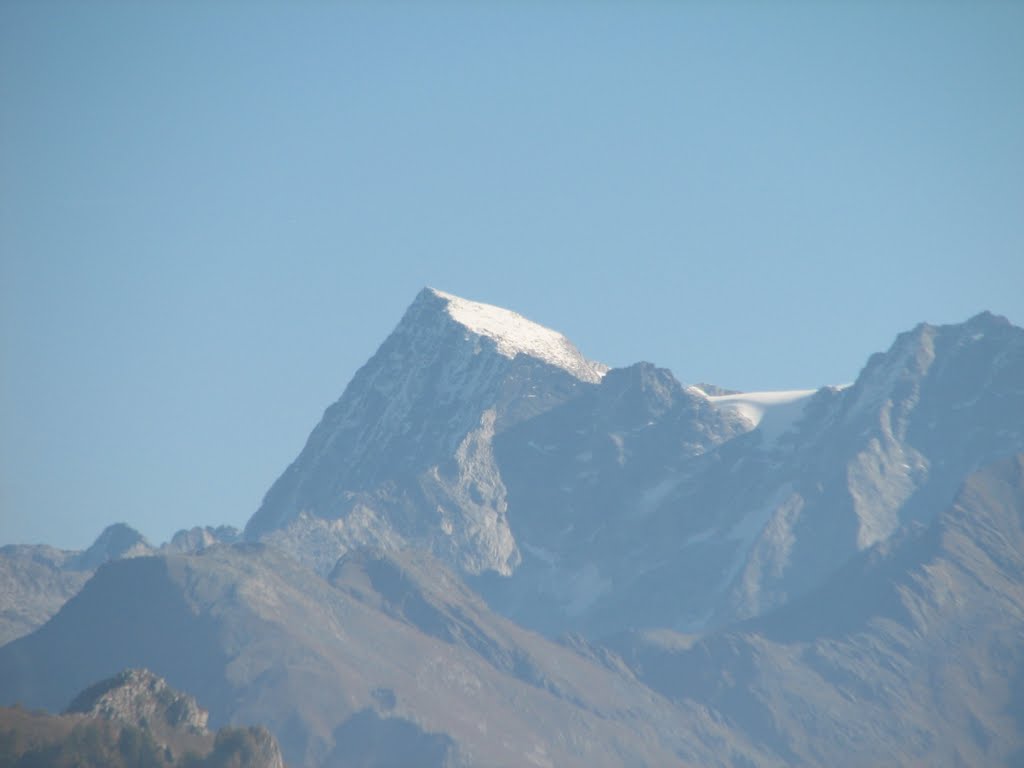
<point>398,644</point>
<point>913,654</point>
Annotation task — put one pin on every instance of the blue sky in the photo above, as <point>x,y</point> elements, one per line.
<point>212,214</point>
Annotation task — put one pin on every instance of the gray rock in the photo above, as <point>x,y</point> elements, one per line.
<point>140,698</point>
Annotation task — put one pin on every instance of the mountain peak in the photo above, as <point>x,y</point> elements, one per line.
<point>513,334</point>
<point>405,455</point>
<point>117,541</point>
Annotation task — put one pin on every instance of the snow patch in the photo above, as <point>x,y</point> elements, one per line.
<point>513,334</point>
<point>771,413</point>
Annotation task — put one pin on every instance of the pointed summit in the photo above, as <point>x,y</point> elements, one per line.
<point>506,332</point>
<point>404,456</point>
<point>514,334</point>
<point>117,541</point>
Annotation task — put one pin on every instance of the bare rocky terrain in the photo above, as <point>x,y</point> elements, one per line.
<point>494,551</point>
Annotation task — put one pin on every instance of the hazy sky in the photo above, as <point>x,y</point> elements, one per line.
<point>212,214</point>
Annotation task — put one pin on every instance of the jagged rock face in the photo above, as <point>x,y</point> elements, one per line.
<point>141,698</point>
<point>404,457</point>
<point>678,517</point>
<point>588,500</point>
<point>636,504</point>
<point>586,482</point>
<point>198,538</point>
<point>852,606</point>
<point>885,453</point>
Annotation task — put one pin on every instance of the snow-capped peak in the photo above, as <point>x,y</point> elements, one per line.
<point>513,334</point>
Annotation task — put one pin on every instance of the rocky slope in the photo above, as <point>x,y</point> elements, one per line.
<point>404,457</point>
<point>393,647</point>
<point>827,577</point>
<point>580,499</point>
<point>912,654</point>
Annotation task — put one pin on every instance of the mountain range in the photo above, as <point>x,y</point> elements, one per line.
<point>495,551</point>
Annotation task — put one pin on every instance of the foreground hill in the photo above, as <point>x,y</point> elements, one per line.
<point>133,720</point>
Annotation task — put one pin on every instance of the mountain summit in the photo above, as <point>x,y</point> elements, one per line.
<point>512,334</point>
<point>404,457</point>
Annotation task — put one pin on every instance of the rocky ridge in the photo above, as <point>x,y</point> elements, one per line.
<point>581,499</point>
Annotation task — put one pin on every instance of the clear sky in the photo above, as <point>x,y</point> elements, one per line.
<point>211,214</point>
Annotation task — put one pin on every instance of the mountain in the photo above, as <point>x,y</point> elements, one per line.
<point>912,654</point>
<point>887,452</point>
<point>133,719</point>
<point>586,485</point>
<point>577,498</point>
<point>493,551</point>
<point>390,660</point>
<point>621,530</point>
<point>117,541</point>
<point>404,457</point>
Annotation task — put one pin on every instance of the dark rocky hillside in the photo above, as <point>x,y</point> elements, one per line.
<point>133,720</point>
